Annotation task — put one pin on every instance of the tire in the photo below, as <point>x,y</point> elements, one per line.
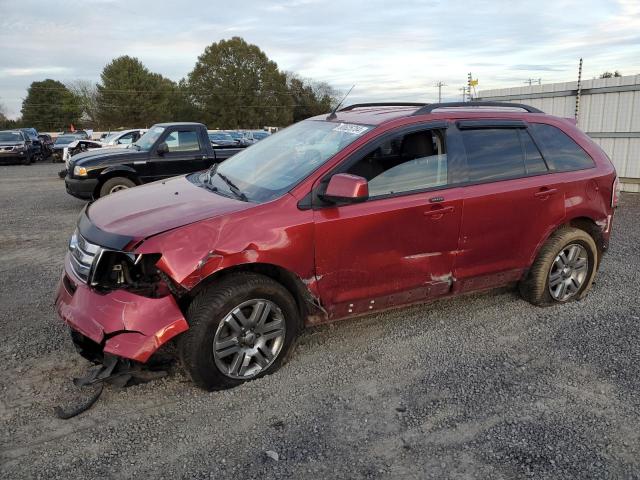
<point>115,184</point>
<point>27,160</point>
<point>543,284</point>
<point>212,313</point>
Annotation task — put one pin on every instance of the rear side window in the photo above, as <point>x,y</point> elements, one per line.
<point>493,154</point>
<point>559,149</point>
<point>533,160</point>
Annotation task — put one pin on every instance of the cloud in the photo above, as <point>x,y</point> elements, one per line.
<point>389,50</point>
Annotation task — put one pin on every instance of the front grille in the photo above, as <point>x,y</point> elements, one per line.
<point>83,255</point>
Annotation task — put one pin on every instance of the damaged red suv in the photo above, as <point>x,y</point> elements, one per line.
<point>372,207</point>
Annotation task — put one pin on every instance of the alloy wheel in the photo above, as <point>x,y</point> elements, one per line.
<point>568,272</point>
<point>249,339</point>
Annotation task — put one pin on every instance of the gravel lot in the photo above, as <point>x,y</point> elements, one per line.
<point>484,386</point>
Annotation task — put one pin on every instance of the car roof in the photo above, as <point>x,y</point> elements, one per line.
<point>377,114</point>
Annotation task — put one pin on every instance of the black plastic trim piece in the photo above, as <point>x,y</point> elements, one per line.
<point>434,106</point>
<point>382,104</point>
<point>494,123</point>
<point>99,237</point>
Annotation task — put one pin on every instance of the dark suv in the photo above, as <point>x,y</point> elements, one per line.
<point>16,147</point>
<point>371,207</point>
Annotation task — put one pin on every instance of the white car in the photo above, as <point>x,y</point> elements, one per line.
<point>121,139</point>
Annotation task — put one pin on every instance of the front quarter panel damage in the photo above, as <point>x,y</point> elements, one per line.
<point>277,234</point>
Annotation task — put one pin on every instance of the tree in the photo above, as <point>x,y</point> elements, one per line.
<point>49,105</point>
<point>611,75</point>
<point>129,95</point>
<point>235,85</point>
<point>309,98</point>
<point>86,94</point>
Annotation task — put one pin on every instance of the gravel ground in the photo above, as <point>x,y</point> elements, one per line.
<point>482,386</point>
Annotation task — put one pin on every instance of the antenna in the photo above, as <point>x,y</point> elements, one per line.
<point>333,115</point>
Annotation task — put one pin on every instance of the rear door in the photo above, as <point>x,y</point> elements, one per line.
<point>510,203</point>
<point>398,246</point>
<point>186,154</point>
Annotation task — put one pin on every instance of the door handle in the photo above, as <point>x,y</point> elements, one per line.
<point>436,212</point>
<point>545,193</point>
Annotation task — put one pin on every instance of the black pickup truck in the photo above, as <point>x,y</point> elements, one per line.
<point>166,150</point>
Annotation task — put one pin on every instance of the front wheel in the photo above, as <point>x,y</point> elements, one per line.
<point>114,185</point>
<point>240,328</point>
<point>563,270</point>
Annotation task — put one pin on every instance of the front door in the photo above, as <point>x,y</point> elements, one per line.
<point>185,154</point>
<point>398,246</point>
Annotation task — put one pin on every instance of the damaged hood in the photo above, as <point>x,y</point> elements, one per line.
<point>154,208</point>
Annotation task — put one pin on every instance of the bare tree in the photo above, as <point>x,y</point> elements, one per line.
<point>86,94</point>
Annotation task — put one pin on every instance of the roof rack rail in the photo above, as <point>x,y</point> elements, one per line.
<point>433,106</point>
<point>382,104</point>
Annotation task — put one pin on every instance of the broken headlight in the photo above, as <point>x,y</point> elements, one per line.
<point>131,271</point>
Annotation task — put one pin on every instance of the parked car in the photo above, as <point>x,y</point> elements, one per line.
<point>36,148</point>
<point>253,136</point>
<point>47,145</point>
<point>15,147</point>
<point>166,150</point>
<point>371,207</point>
<point>60,144</point>
<point>237,136</point>
<point>123,138</point>
<point>221,139</point>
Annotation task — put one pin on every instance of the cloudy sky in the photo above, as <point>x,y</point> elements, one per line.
<point>390,50</point>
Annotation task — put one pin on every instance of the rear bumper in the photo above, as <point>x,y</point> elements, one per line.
<point>122,323</point>
<point>80,188</point>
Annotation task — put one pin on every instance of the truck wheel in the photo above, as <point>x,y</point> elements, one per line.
<point>114,185</point>
<point>240,329</point>
<point>563,270</point>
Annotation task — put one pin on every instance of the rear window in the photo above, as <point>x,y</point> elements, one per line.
<point>559,149</point>
<point>493,154</point>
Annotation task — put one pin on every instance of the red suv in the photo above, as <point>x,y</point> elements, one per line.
<point>372,207</point>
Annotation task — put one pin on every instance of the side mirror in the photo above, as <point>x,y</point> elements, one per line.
<point>162,149</point>
<point>344,187</point>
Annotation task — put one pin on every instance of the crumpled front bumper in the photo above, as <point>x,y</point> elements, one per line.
<point>123,323</point>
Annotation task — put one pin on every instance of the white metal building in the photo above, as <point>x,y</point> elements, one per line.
<point>609,113</point>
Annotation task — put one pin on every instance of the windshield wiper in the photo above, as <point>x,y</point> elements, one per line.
<point>233,188</point>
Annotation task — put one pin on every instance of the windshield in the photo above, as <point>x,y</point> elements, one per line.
<point>13,137</point>
<point>146,141</point>
<point>65,139</point>
<point>260,135</point>
<point>273,166</point>
<point>220,136</point>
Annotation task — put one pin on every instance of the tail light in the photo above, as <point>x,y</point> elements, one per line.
<point>615,189</point>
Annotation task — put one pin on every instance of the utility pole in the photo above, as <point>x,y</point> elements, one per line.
<point>578,90</point>
<point>531,81</point>
<point>464,93</point>
<point>440,85</point>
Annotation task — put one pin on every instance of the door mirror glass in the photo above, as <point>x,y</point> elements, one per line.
<point>162,148</point>
<point>344,187</point>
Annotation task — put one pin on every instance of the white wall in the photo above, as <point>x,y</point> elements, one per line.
<point>610,116</point>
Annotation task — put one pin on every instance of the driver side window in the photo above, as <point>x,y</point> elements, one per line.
<point>183,141</point>
<point>404,163</point>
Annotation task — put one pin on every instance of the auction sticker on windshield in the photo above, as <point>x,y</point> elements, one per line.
<point>351,128</point>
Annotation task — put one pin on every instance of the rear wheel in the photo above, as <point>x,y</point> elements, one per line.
<point>240,329</point>
<point>114,185</point>
<point>563,270</point>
